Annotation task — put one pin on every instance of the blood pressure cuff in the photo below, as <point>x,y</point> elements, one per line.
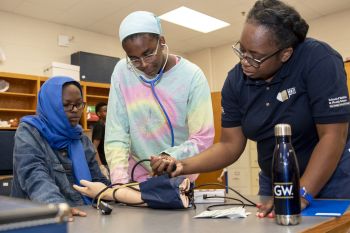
<point>162,192</point>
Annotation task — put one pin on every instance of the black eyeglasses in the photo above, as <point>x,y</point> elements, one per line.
<point>252,61</point>
<point>137,62</point>
<point>70,107</point>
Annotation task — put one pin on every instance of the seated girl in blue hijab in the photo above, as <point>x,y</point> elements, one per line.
<point>51,153</point>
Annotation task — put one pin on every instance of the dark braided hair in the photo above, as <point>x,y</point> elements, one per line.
<point>288,27</point>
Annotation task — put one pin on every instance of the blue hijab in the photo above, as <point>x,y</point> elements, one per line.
<point>52,123</point>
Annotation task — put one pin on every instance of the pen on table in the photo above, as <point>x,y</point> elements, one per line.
<point>328,214</point>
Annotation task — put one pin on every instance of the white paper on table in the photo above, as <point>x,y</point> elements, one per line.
<point>235,212</point>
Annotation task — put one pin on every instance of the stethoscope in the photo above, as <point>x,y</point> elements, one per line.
<point>153,83</point>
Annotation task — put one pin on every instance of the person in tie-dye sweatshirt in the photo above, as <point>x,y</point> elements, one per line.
<point>136,126</point>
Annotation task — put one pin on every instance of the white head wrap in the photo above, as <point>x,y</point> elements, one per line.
<point>139,22</point>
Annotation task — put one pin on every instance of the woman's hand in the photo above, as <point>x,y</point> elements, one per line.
<point>166,163</point>
<point>304,203</point>
<point>75,212</point>
<point>267,208</point>
<point>90,189</point>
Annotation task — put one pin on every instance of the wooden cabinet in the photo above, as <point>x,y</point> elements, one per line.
<point>21,97</point>
<point>347,69</point>
<point>212,177</point>
<point>93,94</point>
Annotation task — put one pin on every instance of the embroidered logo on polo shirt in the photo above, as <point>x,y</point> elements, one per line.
<point>285,94</point>
<point>338,101</point>
<point>222,110</point>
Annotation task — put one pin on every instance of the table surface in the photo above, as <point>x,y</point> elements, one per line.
<point>126,219</point>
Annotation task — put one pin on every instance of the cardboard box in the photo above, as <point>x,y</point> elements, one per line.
<point>62,69</point>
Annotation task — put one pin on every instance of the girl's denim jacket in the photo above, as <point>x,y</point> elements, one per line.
<point>45,175</point>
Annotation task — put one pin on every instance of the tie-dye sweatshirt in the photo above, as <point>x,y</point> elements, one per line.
<point>137,127</point>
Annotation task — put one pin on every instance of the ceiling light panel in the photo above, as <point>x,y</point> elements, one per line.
<point>194,20</point>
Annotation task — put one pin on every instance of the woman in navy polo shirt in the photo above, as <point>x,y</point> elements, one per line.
<point>283,77</point>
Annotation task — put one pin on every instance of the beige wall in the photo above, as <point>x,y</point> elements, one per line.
<point>31,44</point>
<point>216,62</point>
<point>333,29</point>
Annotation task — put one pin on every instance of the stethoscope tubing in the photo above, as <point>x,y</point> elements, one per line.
<point>153,83</point>
<point>165,113</point>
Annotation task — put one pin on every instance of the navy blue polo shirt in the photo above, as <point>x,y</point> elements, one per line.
<point>309,89</point>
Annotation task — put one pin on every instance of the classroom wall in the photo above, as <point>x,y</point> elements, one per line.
<point>217,61</point>
<point>31,44</point>
<point>333,29</point>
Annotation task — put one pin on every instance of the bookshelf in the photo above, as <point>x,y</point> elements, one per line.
<point>93,93</point>
<point>21,97</point>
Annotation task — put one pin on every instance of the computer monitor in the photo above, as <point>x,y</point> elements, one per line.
<point>7,142</point>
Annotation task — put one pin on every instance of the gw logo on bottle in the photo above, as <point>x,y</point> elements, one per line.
<point>283,190</point>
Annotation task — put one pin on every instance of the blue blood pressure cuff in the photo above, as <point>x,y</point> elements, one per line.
<point>162,192</point>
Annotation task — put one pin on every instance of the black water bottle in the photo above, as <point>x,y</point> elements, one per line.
<point>285,178</point>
